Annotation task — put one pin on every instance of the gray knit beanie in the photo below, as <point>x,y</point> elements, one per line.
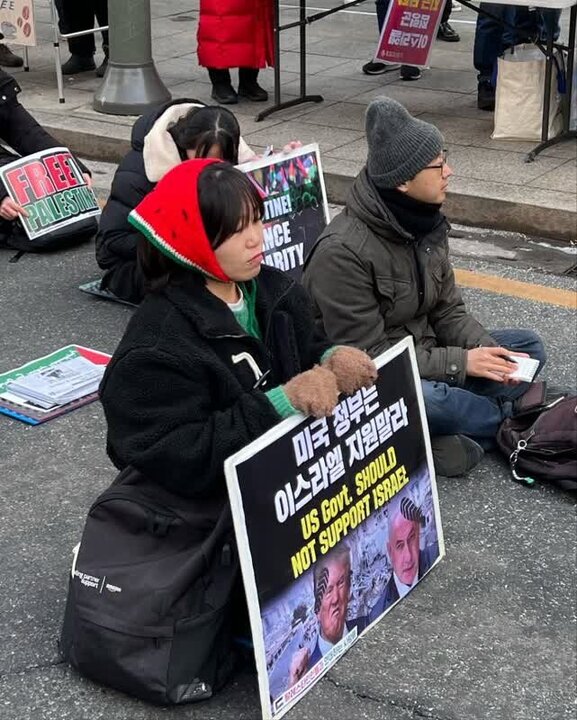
<point>400,146</point>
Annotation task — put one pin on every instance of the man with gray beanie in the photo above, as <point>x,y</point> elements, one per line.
<point>381,271</point>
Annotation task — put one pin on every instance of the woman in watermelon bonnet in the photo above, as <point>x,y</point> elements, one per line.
<point>223,347</point>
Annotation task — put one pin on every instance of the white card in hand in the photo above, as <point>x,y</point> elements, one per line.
<point>526,368</point>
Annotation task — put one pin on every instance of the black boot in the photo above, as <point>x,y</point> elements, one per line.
<point>446,33</point>
<point>77,64</point>
<point>485,96</point>
<point>222,89</point>
<point>7,57</point>
<point>455,454</point>
<point>248,86</point>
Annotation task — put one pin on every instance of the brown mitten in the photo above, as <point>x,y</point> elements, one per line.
<point>313,392</point>
<point>352,368</point>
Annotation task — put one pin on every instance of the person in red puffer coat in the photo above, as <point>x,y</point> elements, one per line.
<point>236,34</point>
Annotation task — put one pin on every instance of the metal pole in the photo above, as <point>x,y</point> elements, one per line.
<point>548,77</point>
<point>57,57</point>
<point>131,85</point>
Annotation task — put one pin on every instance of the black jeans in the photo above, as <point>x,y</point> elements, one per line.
<point>77,15</point>
<point>222,77</point>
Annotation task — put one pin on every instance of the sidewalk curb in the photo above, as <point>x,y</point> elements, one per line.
<point>487,212</point>
<point>459,207</point>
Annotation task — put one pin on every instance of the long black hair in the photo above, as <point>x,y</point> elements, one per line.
<point>228,203</point>
<point>204,127</point>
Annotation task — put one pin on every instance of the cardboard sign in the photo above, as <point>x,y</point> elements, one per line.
<point>295,203</point>
<point>50,186</point>
<point>17,22</point>
<point>336,520</point>
<point>409,31</point>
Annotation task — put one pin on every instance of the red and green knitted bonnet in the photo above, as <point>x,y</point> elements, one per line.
<point>169,217</point>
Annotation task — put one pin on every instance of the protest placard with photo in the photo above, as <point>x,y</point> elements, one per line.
<point>295,203</point>
<point>17,22</point>
<point>336,520</point>
<point>51,188</point>
<point>409,32</point>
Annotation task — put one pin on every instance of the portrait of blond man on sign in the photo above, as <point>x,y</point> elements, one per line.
<point>332,576</point>
<point>409,562</point>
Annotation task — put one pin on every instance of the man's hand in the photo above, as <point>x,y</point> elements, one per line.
<point>87,179</point>
<point>298,666</point>
<point>492,363</point>
<point>10,210</point>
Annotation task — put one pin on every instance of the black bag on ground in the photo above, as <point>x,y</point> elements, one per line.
<point>13,235</point>
<point>540,442</point>
<point>149,600</point>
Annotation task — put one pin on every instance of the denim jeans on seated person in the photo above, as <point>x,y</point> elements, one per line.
<point>479,407</point>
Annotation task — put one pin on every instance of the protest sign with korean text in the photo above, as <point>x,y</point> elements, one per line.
<point>409,32</point>
<point>295,205</point>
<point>17,21</point>
<point>336,520</point>
<point>51,188</point>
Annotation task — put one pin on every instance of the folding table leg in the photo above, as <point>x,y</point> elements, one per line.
<point>566,134</point>
<point>57,56</point>
<point>548,76</point>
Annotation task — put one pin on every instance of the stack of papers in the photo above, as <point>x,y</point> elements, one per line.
<point>58,384</point>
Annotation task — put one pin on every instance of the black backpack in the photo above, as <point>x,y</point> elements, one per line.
<point>540,440</point>
<point>149,600</point>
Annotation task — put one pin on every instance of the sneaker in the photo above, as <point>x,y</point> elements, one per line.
<point>408,72</point>
<point>224,94</point>
<point>378,68</point>
<point>101,69</point>
<point>455,454</point>
<point>78,64</point>
<point>252,91</point>
<point>485,96</point>
<point>446,33</point>
<point>8,59</point>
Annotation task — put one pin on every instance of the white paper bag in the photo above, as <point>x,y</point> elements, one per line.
<point>520,93</point>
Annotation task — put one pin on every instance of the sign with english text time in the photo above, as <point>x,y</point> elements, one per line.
<point>52,190</point>
<point>295,205</point>
<point>336,519</point>
<point>409,31</point>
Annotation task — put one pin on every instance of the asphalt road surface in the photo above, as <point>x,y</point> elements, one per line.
<point>490,634</point>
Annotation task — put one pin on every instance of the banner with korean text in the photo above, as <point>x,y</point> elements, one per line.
<point>336,520</point>
<point>51,189</point>
<point>17,22</point>
<point>295,205</point>
<point>409,32</point>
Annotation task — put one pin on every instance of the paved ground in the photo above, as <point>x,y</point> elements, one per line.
<point>493,185</point>
<point>489,635</point>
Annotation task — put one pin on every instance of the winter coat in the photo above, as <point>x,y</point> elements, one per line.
<point>236,33</point>
<point>25,136</point>
<point>18,128</point>
<point>179,393</point>
<point>153,154</point>
<point>373,284</point>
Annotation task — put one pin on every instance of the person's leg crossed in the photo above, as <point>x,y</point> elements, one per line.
<point>457,411</point>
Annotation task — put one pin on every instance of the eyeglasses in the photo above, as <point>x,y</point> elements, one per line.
<point>441,165</point>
